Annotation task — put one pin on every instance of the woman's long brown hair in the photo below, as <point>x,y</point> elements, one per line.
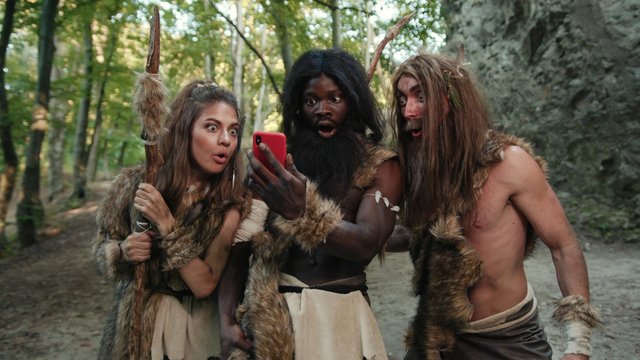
<point>175,147</point>
<point>456,119</point>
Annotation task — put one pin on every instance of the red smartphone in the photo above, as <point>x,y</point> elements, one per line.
<point>276,141</point>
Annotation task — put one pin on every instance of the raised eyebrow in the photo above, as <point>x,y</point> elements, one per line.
<point>416,89</point>
<point>218,122</point>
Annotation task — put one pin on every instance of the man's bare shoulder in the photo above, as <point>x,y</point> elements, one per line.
<point>389,174</point>
<point>518,169</point>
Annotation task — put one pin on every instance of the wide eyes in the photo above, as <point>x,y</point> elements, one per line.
<point>334,99</point>
<point>232,132</point>
<point>402,100</point>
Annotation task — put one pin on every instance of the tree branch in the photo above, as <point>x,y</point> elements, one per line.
<point>264,63</point>
<point>391,34</point>
<point>343,8</point>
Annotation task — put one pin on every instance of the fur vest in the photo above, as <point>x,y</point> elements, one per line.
<point>443,304</point>
<point>264,314</point>
<point>195,229</point>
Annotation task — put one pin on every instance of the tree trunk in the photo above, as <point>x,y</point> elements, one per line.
<point>237,56</point>
<point>280,15</point>
<point>258,121</point>
<point>336,25</point>
<point>93,153</point>
<point>208,57</point>
<point>369,38</point>
<point>125,142</point>
<point>8,177</point>
<point>30,212</point>
<point>80,140</point>
<point>59,109</point>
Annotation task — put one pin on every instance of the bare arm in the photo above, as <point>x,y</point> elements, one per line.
<point>536,199</point>
<point>400,239</point>
<point>202,276</point>
<point>360,241</point>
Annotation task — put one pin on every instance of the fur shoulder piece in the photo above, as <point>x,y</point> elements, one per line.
<point>113,217</point>
<point>374,156</point>
<point>493,148</point>
<point>190,239</point>
<point>113,211</point>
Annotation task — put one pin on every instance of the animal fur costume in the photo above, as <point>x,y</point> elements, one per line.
<point>264,314</point>
<point>196,226</point>
<point>446,264</point>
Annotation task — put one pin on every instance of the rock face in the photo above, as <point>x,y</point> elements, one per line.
<point>566,75</point>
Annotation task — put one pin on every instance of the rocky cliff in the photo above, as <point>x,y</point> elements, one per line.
<point>566,75</point>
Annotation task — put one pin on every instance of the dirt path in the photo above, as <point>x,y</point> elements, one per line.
<point>54,301</point>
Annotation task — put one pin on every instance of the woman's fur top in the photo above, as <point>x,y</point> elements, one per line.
<point>194,231</point>
<point>447,265</point>
<point>264,314</point>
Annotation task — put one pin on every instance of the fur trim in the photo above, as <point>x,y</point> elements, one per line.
<point>366,174</point>
<point>113,217</point>
<point>264,315</point>
<point>191,240</point>
<point>149,103</point>
<point>439,317</point>
<point>576,308</point>
<point>114,344</point>
<point>319,219</point>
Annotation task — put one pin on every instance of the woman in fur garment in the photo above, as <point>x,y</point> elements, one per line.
<point>194,208</point>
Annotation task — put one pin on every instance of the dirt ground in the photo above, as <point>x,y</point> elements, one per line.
<point>54,301</point>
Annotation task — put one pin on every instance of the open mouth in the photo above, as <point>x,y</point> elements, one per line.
<point>416,133</point>
<point>326,128</point>
<point>220,158</point>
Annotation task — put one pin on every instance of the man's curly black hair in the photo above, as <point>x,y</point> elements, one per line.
<point>349,76</point>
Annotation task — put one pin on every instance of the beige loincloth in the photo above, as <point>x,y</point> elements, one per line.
<point>512,334</point>
<point>505,319</point>
<point>329,325</point>
<point>187,329</point>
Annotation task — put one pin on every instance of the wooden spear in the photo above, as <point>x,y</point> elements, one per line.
<point>151,108</point>
<point>391,34</point>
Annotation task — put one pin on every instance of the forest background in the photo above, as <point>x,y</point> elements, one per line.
<point>565,74</point>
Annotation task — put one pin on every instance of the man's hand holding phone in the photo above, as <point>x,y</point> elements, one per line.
<point>283,189</point>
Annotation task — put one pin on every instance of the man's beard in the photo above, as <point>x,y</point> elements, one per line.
<point>415,175</point>
<point>330,163</point>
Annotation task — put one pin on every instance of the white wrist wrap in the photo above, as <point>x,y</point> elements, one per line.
<point>253,223</point>
<point>578,338</point>
<point>579,318</point>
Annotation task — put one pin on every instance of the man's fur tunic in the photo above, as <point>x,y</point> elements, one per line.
<point>264,313</point>
<point>195,228</point>
<point>446,264</point>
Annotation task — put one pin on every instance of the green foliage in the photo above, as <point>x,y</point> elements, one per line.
<point>191,30</point>
<point>597,218</point>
